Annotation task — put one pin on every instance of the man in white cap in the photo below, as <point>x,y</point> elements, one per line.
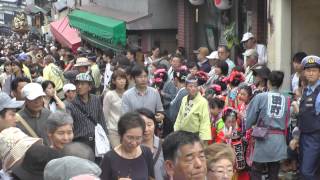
<point>213,58</point>
<point>33,116</point>
<point>251,56</point>
<point>250,42</point>
<point>69,91</point>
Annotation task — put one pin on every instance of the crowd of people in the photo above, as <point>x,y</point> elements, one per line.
<point>94,114</point>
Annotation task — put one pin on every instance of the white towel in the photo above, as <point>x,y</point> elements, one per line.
<point>102,144</point>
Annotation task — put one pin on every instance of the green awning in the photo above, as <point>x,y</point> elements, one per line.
<point>105,30</point>
<point>101,45</point>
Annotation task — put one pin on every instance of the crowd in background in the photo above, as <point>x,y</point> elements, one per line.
<point>95,114</point>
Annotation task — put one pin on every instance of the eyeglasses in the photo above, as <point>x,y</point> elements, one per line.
<point>219,172</point>
<point>134,138</point>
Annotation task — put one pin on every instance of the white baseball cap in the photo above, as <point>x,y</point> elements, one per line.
<point>213,55</point>
<point>32,91</point>
<point>250,52</point>
<point>69,87</point>
<point>246,36</point>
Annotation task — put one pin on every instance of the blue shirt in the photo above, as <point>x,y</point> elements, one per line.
<point>310,90</point>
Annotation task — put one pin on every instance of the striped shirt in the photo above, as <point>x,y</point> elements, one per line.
<point>83,125</point>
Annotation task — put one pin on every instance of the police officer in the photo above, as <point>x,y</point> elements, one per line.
<point>309,119</point>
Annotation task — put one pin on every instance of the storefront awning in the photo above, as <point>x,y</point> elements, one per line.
<point>100,44</point>
<point>134,21</point>
<point>64,34</point>
<point>105,30</point>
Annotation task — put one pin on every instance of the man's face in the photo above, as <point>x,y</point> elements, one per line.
<point>8,119</point>
<point>249,44</point>
<point>70,95</point>
<point>192,89</point>
<point>223,54</point>
<point>251,61</point>
<point>82,69</point>
<point>35,105</point>
<point>312,74</point>
<point>141,80</point>
<point>176,63</point>
<point>18,93</point>
<point>190,163</point>
<point>83,88</point>
<point>129,56</point>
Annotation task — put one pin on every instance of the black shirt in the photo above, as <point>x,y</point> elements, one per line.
<point>114,166</point>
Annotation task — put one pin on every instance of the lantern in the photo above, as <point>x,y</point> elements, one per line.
<point>223,4</point>
<point>196,2</point>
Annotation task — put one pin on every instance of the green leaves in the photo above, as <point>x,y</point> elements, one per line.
<point>230,35</point>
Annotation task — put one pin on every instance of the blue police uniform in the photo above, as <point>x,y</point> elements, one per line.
<point>309,125</point>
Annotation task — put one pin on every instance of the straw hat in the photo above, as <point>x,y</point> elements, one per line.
<point>13,145</point>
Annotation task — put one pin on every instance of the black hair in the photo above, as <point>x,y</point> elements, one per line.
<point>181,75</point>
<point>147,113</point>
<point>122,61</point>
<point>137,70</point>
<point>178,56</point>
<point>182,51</point>
<point>247,88</point>
<point>17,63</point>
<point>223,66</point>
<point>132,52</point>
<point>297,57</point>
<point>225,48</point>
<point>128,121</point>
<point>154,48</point>
<point>221,83</point>
<point>228,112</point>
<point>192,64</point>
<point>3,112</point>
<point>46,83</point>
<point>17,80</point>
<point>92,57</point>
<point>236,80</point>
<point>216,103</point>
<point>174,141</point>
<point>276,78</point>
<point>109,53</point>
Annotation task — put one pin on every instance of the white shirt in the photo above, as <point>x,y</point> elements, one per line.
<point>107,75</point>
<point>295,82</point>
<point>112,109</point>
<point>4,175</point>
<point>231,65</point>
<point>262,51</point>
